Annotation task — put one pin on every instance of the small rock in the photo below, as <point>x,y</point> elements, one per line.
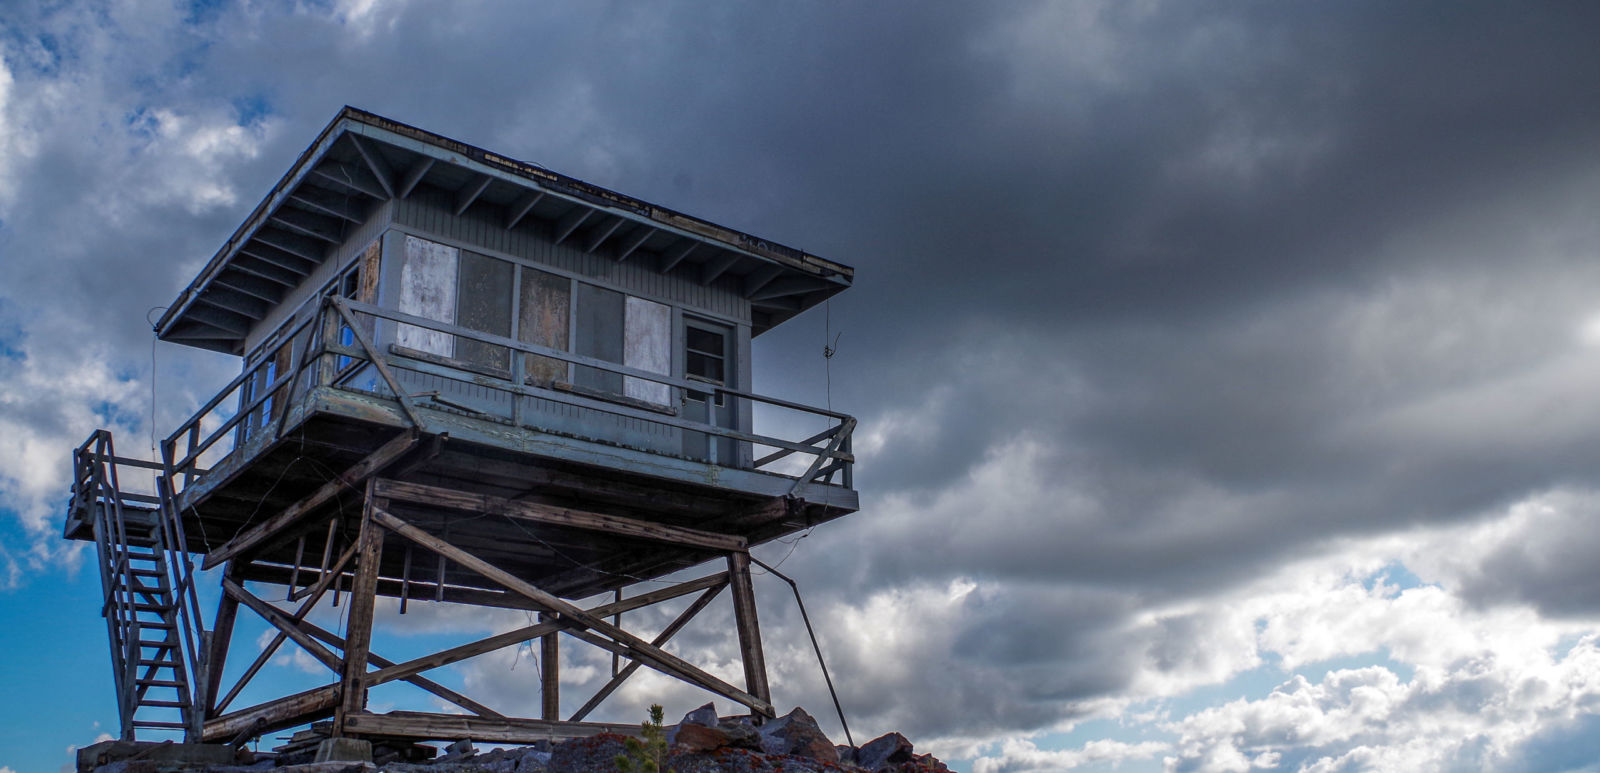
<point>890,749</point>
<point>695,739</point>
<point>741,734</point>
<point>797,733</point>
<point>705,716</point>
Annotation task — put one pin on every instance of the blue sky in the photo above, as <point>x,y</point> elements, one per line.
<point>1224,370</point>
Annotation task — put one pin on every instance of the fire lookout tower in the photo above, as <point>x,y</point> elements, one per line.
<point>465,379</point>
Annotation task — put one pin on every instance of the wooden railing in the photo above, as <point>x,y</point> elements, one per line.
<point>331,347</point>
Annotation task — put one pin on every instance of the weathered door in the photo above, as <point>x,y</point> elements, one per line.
<point>708,358</point>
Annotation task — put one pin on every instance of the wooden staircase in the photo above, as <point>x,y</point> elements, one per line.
<point>147,580</point>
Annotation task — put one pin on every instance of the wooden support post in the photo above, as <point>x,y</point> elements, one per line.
<point>217,649</point>
<point>363,596</point>
<point>618,641</point>
<point>744,617</point>
<point>550,672</point>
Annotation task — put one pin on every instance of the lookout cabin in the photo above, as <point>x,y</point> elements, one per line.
<point>442,333</point>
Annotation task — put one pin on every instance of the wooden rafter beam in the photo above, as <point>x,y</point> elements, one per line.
<point>601,233</point>
<point>521,207</point>
<point>676,254</point>
<point>302,247</point>
<point>552,515</point>
<point>414,175</point>
<point>273,715</point>
<point>717,267</point>
<point>640,236</point>
<point>570,222</point>
<point>354,178</point>
<point>321,201</point>
<point>471,191</point>
<point>320,227</point>
<point>381,171</point>
<point>249,284</point>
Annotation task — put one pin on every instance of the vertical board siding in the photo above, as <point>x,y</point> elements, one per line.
<point>355,243</point>
<point>430,212</point>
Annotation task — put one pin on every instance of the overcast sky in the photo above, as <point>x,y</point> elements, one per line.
<point>1227,372</point>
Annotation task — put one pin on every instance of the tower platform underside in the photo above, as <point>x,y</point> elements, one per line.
<point>472,481</point>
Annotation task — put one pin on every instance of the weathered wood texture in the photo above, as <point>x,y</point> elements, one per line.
<point>421,726</point>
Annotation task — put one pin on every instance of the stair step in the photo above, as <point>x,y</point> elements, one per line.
<point>158,662</point>
<point>153,723</point>
<point>158,682</point>
<point>162,608</point>
<point>145,572</point>
<point>165,704</point>
<point>162,644</point>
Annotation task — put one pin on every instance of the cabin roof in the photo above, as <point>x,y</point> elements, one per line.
<point>361,160</point>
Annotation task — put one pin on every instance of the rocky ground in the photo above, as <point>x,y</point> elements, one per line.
<point>700,743</point>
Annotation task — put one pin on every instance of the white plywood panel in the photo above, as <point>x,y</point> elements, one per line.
<point>428,289</point>
<point>647,345</point>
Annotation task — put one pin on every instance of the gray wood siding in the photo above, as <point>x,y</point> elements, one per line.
<point>429,214</point>
<point>341,257</point>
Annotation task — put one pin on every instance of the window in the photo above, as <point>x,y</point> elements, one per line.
<point>428,289</point>
<point>544,308</point>
<point>483,303</point>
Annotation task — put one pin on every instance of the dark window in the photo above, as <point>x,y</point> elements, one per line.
<point>484,305</point>
<point>705,355</point>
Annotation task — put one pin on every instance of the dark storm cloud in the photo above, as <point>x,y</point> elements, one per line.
<point>1151,299</point>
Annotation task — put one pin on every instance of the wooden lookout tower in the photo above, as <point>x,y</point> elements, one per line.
<point>465,379</point>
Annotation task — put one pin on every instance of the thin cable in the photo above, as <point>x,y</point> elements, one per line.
<point>153,339</point>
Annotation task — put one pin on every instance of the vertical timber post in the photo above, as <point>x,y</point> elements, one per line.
<point>744,617</point>
<point>550,673</point>
<point>358,633</point>
<point>216,648</point>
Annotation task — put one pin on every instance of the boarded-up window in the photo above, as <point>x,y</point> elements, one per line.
<point>484,304</point>
<point>544,307</point>
<point>647,345</point>
<point>428,289</point>
<point>599,335</point>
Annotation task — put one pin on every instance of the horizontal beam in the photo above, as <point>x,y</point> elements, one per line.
<point>288,711</point>
<point>509,638</point>
<point>445,727</point>
<point>357,472</point>
<point>622,641</point>
<point>327,203</point>
<point>553,515</point>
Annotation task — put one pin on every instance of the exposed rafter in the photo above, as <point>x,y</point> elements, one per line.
<point>640,236</point>
<point>601,233</point>
<point>271,272</point>
<point>287,261</point>
<point>570,222</point>
<point>250,284</point>
<point>757,279</point>
<point>783,288</point>
<point>521,207</point>
<point>414,175</point>
<point>294,244</point>
<point>674,256</point>
<point>354,178</point>
<point>717,266</point>
<point>324,202</point>
<point>303,222</point>
<point>380,169</point>
<point>229,299</point>
<point>222,319</point>
<point>471,191</point>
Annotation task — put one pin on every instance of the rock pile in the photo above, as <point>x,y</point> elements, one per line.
<point>701,743</point>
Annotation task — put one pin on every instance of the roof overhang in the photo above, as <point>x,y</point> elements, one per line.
<point>361,160</point>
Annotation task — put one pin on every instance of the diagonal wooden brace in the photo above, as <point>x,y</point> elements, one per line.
<point>358,472</point>
<point>627,643</point>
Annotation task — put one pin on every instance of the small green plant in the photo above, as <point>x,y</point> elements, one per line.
<point>649,753</point>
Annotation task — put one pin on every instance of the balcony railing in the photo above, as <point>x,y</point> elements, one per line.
<point>331,346</point>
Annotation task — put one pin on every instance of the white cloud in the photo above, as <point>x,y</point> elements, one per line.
<point>1021,756</point>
